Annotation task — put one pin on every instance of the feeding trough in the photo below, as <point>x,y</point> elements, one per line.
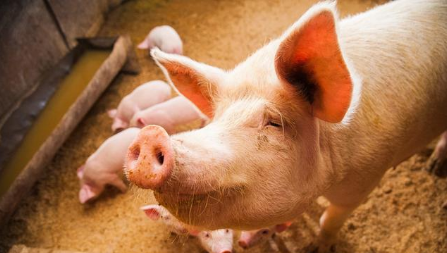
<point>36,129</point>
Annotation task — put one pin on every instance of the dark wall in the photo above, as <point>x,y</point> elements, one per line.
<point>35,35</point>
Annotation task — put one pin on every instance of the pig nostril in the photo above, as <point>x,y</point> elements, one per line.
<point>135,153</point>
<point>160,157</point>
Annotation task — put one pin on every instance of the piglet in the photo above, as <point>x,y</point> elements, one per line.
<point>216,241</point>
<point>142,97</point>
<point>165,38</point>
<point>159,213</point>
<point>105,166</point>
<point>169,114</point>
<point>251,238</point>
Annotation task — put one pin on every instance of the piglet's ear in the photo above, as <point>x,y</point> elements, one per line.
<point>80,171</point>
<point>112,113</point>
<point>144,44</point>
<point>86,194</point>
<point>282,227</point>
<point>196,81</point>
<point>151,211</point>
<point>309,59</point>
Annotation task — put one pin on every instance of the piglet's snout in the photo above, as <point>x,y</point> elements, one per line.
<point>150,158</point>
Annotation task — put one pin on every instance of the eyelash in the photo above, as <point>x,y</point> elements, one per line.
<point>273,124</point>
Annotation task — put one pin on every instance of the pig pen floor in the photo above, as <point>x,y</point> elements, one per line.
<point>403,215</point>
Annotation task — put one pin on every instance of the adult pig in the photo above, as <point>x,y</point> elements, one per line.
<point>142,97</point>
<point>165,38</point>
<point>169,114</point>
<point>325,109</point>
<point>105,166</point>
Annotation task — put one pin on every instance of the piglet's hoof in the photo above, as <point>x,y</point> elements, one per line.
<point>437,166</point>
<point>320,248</point>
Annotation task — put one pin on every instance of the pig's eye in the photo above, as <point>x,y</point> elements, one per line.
<point>264,232</point>
<point>227,231</point>
<point>273,124</point>
<point>207,235</point>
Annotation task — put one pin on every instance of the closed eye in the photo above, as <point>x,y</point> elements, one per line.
<point>273,124</point>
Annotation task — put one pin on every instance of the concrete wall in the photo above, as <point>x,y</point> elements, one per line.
<point>35,35</point>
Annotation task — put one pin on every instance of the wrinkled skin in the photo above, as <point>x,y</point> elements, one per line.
<point>306,115</point>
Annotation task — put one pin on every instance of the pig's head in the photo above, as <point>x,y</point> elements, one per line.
<point>265,155</point>
<point>89,189</point>
<point>217,241</point>
<point>251,238</point>
<point>159,213</point>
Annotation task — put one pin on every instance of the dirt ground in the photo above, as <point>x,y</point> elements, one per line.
<point>403,215</point>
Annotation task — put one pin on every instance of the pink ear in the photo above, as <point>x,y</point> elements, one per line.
<point>152,211</point>
<point>118,124</point>
<point>193,232</point>
<point>196,81</point>
<point>112,113</point>
<point>144,44</point>
<point>310,60</point>
<point>80,171</point>
<point>86,193</point>
<point>140,122</point>
<point>282,227</point>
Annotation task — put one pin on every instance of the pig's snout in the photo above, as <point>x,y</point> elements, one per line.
<point>150,158</point>
<point>243,244</point>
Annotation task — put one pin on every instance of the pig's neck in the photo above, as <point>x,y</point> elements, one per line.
<point>392,49</point>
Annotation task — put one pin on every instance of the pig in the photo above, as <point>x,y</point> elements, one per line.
<point>165,38</point>
<point>324,110</point>
<point>142,97</point>
<point>252,238</point>
<point>157,212</point>
<point>217,241</point>
<point>105,166</point>
<point>169,114</point>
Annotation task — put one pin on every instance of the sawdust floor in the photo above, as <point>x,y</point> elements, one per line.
<point>403,215</point>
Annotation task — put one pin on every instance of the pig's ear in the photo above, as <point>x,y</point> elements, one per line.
<point>144,44</point>
<point>80,171</point>
<point>86,193</point>
<point>119,125</point>
<point>282,227</point>
<point>140,122</point>
<point>309,59</point>
<point>196,81</point>
<point>193,232</point>
<point>112,113</point>
<point>151,211</point>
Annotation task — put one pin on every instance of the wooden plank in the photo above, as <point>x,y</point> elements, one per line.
<point>20,248</point>
<point>36,166</point>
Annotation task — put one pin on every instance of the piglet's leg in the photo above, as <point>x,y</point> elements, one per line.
<point>437,163</point>
<point>118,183</point>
